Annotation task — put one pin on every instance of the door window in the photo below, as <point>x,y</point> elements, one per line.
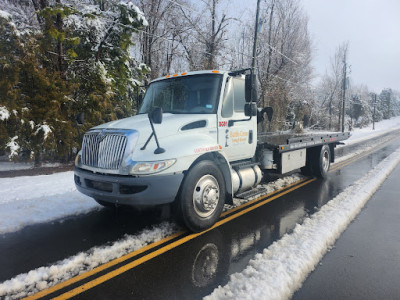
<point>227,106</point>
<point>234,98</point>
<point>239,98</point>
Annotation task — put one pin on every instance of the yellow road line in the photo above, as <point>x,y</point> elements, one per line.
<point>137,252</point>
<point>101,268</point>
<point>345,163</point>
<point>168,247</point>
<point>349,161</point>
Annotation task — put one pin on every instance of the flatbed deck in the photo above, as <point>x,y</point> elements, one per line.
<point>287,142</point>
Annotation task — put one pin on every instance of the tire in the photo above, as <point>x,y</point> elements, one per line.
<point>322,162</point>
<point>202,196</point>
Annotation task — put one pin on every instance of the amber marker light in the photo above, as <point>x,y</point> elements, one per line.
<point>183,74</point>
<point>168,76</point>
<point>215,71</point>
<point>174,75</point>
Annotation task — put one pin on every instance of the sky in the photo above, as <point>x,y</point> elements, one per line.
<point>372,28</point>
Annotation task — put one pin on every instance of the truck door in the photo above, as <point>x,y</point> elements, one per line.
<point>238,139</point>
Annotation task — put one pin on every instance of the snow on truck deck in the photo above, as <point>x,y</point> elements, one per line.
<point>44,198</point>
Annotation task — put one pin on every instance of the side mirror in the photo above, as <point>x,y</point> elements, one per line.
<point>270,112</point>
<point>250,88</point>
<point>155,115</point>
<point>250,109</point>
<point>80,118</point>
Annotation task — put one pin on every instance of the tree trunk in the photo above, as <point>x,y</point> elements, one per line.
<point>60,49</point>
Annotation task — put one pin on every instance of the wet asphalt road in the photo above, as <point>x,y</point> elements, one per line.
<point>365,262</point>
<point>195,268</point>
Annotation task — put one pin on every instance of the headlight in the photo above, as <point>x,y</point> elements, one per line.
<point>150,167</point>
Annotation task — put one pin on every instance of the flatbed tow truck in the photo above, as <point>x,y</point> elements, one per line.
<point>195,145</point>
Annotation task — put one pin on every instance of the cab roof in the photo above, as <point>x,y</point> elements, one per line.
<point>191,73</point>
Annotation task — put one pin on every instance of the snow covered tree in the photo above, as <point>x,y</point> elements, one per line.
<point>204,36</point>
<point>284,62</point>
<point>388,105</point>
<point>329,92</point>
<point>75,58</point>
<point>105,75</point>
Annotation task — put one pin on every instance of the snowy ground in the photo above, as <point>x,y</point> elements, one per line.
<point>382,127</point>
<point>36,199</point>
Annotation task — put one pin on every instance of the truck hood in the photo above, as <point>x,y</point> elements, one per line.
<point>171,124</point>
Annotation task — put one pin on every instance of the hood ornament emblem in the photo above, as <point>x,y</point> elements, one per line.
<point>101,136</point>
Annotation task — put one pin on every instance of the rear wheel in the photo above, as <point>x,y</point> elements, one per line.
<point>323,162</point>
<point>318,162</point>
<point>202,196</point>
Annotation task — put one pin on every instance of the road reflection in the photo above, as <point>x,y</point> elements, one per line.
<point>43,244</point>
<point>195,269</point>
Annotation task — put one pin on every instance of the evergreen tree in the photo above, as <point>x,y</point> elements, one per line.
<point>78,60</point>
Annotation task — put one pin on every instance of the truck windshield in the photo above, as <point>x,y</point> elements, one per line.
<point>193,94</point>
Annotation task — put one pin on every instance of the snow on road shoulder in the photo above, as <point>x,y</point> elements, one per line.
<point>28,187</point>
<point>16,215</point>
<point>45,277</point>
<point>281,269</point>
<point>382,127</point>
<point>38,199</point>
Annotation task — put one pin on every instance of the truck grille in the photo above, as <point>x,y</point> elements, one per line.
<point>102,149</point>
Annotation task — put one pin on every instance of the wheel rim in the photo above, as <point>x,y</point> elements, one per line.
<point>325,160</point>
<point>206,196</point>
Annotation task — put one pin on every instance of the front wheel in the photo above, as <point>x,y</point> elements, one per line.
<point>202,196</point>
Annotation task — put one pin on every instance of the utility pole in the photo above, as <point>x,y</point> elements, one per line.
<point>243,42</point>
<point>344,88</point>
<point>253,62</point>
<point>373,116</point>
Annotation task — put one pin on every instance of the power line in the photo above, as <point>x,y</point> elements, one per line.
<point>183,6</point>
<point>164,38</point>
<point>280,78</point>
<point>250,56</point>
<point>230,60</point>
<point>274,49</point>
